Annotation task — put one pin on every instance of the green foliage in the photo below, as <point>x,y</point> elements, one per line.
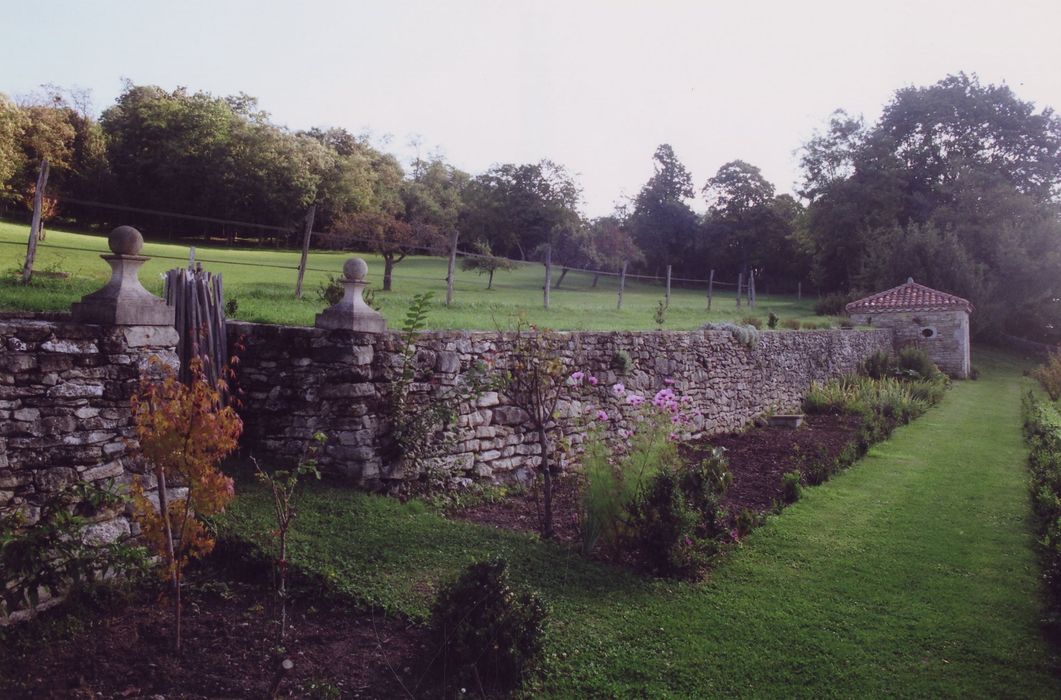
<point>661,313</point>
<point>53,553</point>
<point>621,362</point>
<point>791,324</point>
<point>747,520</point>
<point>675,523</point>
<point>791,486</point>
<point>282,484</point>
<point>331,290</point>
<point>914,363</point>
<point>879,365</point>
<point>231,307</point>
<point>1042,428</point>
<point>833,304</point>
<point>771,320</point>
<point>487,636</point>
<point>753,321</point>
<point>612,482</point>
<point>486,263</point>
<point>1049,375</point>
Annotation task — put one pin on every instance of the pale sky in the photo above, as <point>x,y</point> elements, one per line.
<point>595,86</point>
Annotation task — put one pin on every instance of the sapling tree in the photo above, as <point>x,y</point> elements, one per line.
<point>282,483</point>
<point>535,381</point>
<point>184,432</point>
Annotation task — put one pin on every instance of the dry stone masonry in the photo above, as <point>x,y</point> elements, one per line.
<point>297,381</point>
<point>64,405</point>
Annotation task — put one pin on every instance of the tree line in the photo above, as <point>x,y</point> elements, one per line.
<point>956,185</point>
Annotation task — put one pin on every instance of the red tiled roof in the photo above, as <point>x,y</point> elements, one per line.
<point>909,297</point>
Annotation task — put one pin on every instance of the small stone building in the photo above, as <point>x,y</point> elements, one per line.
<point>932,320</point>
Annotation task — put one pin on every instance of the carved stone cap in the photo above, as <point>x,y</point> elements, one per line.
<point>352,313</point>
<point>123,301</point>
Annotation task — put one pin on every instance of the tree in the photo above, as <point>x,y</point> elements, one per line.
<point>973,163</point>
<point>12,126</point>
<point>748,227</point>
<point>517,208</point>
<point>611,245</point>
<point>184,433</point>
<point>663,225</point>
<point>484,262</point>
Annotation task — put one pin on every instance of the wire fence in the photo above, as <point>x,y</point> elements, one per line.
<point>744,289</point>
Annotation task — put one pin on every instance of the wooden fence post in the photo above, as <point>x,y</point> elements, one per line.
<point>710,288</point>
<point>622,283</point>
<point>35,225</point>
<point>799,291</point>
<point>751,289</point>
<point>740,287</point>
<point>452,266</point>
<point>667,297</point>
<point>548,273</point>
<point>305,248</point>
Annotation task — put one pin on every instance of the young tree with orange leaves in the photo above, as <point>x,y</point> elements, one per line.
<point>184,431</point>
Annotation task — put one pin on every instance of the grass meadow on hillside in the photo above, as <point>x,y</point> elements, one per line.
<point>263,282</point>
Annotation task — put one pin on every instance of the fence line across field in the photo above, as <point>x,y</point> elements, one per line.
<point>451,251</point>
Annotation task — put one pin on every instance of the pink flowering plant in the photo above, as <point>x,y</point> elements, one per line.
<point>626,445</point>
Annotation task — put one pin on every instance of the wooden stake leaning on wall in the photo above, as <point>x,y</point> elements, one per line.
<point>548,273</point>
<point>452,266</point>
<point>310,215</point>
<point>622,283</point>
<point>710,288</point>
<point>740,287</point>
<point>35,225</point>
<point>667,296</point>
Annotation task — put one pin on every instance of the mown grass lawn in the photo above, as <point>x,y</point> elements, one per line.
<point>267,294</point>
<point>911,574</point>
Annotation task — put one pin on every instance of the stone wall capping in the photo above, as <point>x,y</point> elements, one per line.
<point>351,313</point>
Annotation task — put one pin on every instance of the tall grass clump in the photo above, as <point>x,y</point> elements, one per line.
<point>612,479</point>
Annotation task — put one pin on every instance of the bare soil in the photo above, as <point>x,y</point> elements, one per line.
<point>757,459</point>
<point>123,648</point>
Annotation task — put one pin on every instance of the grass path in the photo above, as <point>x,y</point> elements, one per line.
<point>912,574</point>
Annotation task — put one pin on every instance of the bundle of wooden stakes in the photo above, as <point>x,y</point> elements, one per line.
<point>200,320</point>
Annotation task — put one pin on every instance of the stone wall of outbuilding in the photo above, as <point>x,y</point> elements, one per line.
<point>943,335</point>
<point>297,381</point>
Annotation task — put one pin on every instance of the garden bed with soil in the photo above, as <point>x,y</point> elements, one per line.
<point>757,459</point>
<point>122,647</point>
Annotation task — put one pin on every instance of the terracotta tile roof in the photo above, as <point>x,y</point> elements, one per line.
<point>909,297</point>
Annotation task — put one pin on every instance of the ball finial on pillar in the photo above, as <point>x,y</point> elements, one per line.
<point>352,313</point>
<point>123,301</point>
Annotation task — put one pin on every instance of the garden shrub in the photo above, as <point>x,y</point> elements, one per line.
<point>833,304</point>
<point>915,363</point>
<point>747,520</point>
<point>1049,375</point>
<point>791,486</point>
<point>487,635</point>
<point>791,324</point>
<point>879,365</point>
<point>771,320</point>
<point>675,523</point>
<point>753,321</point>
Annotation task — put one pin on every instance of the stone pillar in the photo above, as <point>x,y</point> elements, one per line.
<point>123,301</point>
<point>352,313</point>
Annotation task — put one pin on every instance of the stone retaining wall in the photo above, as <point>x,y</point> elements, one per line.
<point>64,407</point>
<point>297,381</point>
